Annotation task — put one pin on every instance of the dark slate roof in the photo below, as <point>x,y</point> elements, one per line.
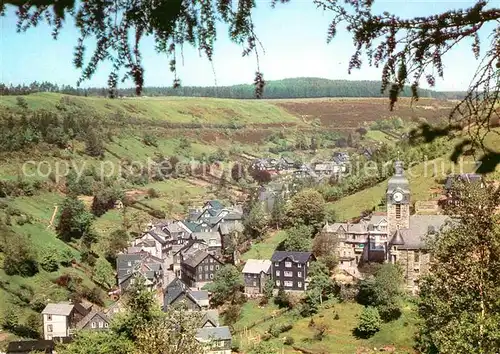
<point>194,259</point>
<point>199,295</point>
<point>298,257</point>
<point>215,204</point>
<point>215,333</point>
<point>398,181</point>
<point>84,321</point>
<point>28,346</point>
<point>397,239</point>
<point>191,225</point>
<point>420,225</point>
<point>175,288</point>
<point>211,316</point>
<point>157,235</point>
<point>465,177</point>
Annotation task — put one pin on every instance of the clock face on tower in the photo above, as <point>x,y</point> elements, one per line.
<point>398,196</point>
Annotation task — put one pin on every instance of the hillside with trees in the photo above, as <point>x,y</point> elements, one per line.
<point>303,87</point>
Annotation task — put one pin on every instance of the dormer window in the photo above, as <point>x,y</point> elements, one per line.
<point>288,264</point>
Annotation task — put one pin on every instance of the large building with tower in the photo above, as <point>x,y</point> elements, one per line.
<point>392,236</point>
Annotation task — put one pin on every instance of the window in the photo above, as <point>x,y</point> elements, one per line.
<point>206,276</point>
<point>288,264</point>
<point>106,325</point>
<point>49,317</point>
<point>288,283</point>
<point>277,273</point>
<point>398,211</point>
<point>276,264</point>
<point>128,271</point>
<point>394,259</point>
<point>220,343</point>
<point>211,276</point>
<point>129,264</point>
<point>49,328</point>
<point>206,267</point>
<point>217,267</point>
<point>299,265</point>
<point>254,283</point>
<point>101,324</point>
<point>200,276</point>
<point>132,281</point>
<point>93,325</point>
<point>416,257</point>
<point>278,283</point>
<point>211,267</point>
<point>288,274</point>
<point>299,274</point>
<point>49,337</point>
<point>299,284</point>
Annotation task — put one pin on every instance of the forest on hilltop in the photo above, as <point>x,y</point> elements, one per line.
<point>286,88</point>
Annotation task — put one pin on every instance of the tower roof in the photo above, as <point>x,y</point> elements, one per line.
<point>398,180</point>
<point>397,239</point>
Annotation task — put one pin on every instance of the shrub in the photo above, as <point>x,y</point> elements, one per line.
<point>336,317</point>
<point>276,329</point>
<point>150,140</point>
<point>153,193</point>
<point>266,336</point>
<point>289,341</point>
<point>369,323</point>
<point>159,214</point>
<point>49,260</point>
<point>389,312</point>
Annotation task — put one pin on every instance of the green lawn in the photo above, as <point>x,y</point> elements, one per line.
<point>339,338</point>
<point>170,109</point>
<point>265,248</point>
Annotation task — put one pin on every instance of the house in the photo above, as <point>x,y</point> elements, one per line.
<point>323,169</point>
<point>285,164</point>
<point>451,180</point>
<point>393,236</point>
<point>154,241</point>
<point>177,232</point>
<point>255,274</point>
<point>290,270</point>
<point>213,204</point>
<point>177,293</point>
<point>57,320</point>
<point>212,239</point>
<point>199,268</point>
<point>179,252</point>
<point>217,339</point>
<point>210,319</point>
<point>35,346</point>
<point>130,265</point>
<point>115,308</point>
<point>95,320</point>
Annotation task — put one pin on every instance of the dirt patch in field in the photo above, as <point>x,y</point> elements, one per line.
<point>351,113</point>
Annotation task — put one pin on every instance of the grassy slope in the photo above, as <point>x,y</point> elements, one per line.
<point>339,338</point>
<point>171,109</point>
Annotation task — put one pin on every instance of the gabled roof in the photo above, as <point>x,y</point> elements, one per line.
<point>464,177</point>
<point>93,314</point>
<point>29,346</point>
<point>211,316</point>
<point>298,257</point>
<point>215,204</point>
<point>199,295</point>
<point>257,266</point>
<point>191,225</point>
<point>158,235</point>
<point>210,238</point>
<point>213,333</point>
<point>197,257</point>
<point>81,309</point>
<point>59,309</point>
<point>397,239</point>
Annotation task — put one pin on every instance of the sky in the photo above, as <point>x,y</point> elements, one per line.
<point>293,36</point>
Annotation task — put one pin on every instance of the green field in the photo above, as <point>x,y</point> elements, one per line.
<point>169,109</point>
<point>339,338</point>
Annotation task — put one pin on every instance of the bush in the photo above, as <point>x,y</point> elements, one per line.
<point>369,323</point>
<point>150,140</point>
<point>266,336</point>
<point>336,317</point>
<point>276,329</point>
<point>289,341</point>
<point>389,312</point>
<point>153,193</point>
<point>49,260</point>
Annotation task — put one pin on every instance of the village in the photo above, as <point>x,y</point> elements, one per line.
<point>177,259</point>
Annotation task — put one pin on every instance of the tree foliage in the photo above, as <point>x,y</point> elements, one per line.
<point>256,223</point>
<point>384,291</point>
<point>306,207</point>
<point>298,239</point>
<point>324,247</point>
<point>97,342</point>
<point>459,298</point>
<point>19,254</point>
<point>226,286</point>
<point>74,220</point>
<point>369,322</point>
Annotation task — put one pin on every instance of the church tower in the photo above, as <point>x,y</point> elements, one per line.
<point>398,200</point>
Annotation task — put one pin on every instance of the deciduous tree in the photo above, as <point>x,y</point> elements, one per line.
<point>306,207</point>
<point>459,304</point>
<point>74,220</point>
<point>226,286</point>
<point>298,239</point>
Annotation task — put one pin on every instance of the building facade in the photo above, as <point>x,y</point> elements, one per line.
<point>290,270</point>
<point>199,269</point>
<point>256,273</point>
<point>57,320</point>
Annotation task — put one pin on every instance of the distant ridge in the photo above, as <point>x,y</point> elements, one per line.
<point>301,87</point>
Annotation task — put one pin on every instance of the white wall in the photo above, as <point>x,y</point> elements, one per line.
<point>59,324</point>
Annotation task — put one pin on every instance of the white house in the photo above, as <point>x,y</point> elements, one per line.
<point>57,320</point>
